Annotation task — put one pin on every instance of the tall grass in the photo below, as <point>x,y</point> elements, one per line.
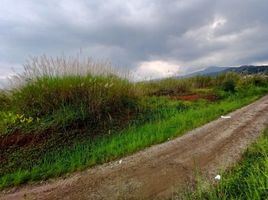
<point>109,147</point>
<point>169,86</point>
<point>87,113</point>
<point>44,66</point>
<point>96,94</point>
<point>4,100</point>
<point>87,93</point>
<point>77,92</point>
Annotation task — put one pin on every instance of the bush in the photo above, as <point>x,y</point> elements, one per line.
<point>10,120</point>
<point>227,81</point>
<point>246,82</point>
<point>229,85</point>
<point>260,81</point>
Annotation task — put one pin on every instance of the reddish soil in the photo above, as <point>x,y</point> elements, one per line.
<point>19,139</point>
<point>161,170</point>
<point>195,97</point>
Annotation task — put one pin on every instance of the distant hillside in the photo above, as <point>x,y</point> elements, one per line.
<point>245,69</point>
<point>206,71</point>
<point>249,69</point>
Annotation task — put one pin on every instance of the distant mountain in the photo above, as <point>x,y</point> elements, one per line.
<point>244,69</point>
<point>249,69</point>
<point>206,71</point>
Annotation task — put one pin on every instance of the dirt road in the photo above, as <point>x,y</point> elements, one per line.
<point>160,170</point>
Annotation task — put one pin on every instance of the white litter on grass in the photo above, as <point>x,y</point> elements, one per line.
<point>225,117</point>
<point>218,177</point>
<point>120,161</point>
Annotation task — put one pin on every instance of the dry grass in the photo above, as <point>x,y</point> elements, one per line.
<point>62,66</point>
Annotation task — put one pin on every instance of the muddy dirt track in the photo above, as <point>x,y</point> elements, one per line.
<point>159,171</point>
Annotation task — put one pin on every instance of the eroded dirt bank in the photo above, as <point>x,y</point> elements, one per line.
<point>160,170</point>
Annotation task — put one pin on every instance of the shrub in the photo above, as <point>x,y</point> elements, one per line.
<point>10,120</point>
<point>260,80</point>
<point>228,85</point>
<point>227,82</point>
<point>218,80</point>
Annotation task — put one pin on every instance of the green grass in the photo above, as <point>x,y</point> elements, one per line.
<point>72,113</point>
<point>110,147</point>
<point>248,180</point>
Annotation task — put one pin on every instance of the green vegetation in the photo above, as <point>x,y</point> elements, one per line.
<point>73,101</point>
<point>59,120</point>
<point>247,180</point>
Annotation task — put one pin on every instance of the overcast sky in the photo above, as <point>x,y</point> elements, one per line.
<point>152,38</point>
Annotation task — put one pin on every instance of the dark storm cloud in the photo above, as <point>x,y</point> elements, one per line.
<point>195,33</point>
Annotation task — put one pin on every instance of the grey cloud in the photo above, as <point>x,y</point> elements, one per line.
<point>131,32</point>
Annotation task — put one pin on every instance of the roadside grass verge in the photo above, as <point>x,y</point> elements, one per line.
<point>248,180</point>
<point>64,114</point>
<point>109,147</point>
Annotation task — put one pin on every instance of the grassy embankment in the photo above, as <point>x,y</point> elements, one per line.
<point>61,120</point>
<point>248,180</point>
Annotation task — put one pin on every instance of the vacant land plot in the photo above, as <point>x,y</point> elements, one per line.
<point>159,171</point>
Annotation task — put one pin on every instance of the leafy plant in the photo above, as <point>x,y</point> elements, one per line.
<point>10,120</point>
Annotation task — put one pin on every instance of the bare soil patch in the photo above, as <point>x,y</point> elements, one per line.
<point>195,97</point>
<point>18,139</point>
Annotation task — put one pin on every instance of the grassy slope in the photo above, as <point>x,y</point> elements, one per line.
<point>85,114</point>
<point>247,180</point>
<point>66,102</point>
<point>103,149</point>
